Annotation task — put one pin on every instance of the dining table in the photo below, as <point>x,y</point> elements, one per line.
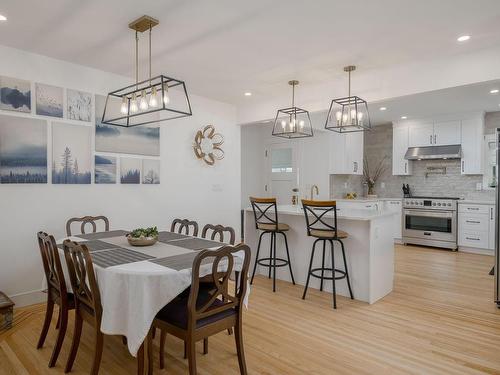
<point>135,283</point>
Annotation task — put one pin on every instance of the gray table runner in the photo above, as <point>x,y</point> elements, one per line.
<point>94,245</point>
<point>179,262</point>
<point>101,235</point>
<point>194,243</point>
<point>170,236</point>
<point>118,256</point>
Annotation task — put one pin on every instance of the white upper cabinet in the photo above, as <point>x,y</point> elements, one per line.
<point>346,153</point>
<point>400,166</point>
<point>421,134</point>
<point>472,146</point>
<point>446,133</point>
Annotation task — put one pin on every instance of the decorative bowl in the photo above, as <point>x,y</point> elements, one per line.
<point>142,241</point>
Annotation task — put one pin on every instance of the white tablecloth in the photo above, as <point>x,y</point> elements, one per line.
<point>132,294</point>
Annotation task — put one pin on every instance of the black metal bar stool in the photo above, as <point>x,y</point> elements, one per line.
<point>266,219</point>
<point>318,220</point>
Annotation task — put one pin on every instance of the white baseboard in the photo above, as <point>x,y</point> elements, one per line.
<point>474,250</point>
<point>28,298</point>
<point>398,241</point>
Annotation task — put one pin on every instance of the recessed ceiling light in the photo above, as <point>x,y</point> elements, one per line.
<point>463,38</point>
<point>248,93</point>
<point>3,18</point>
<point>494,91</point>
<point>382,108</point>
<point>404,117</point>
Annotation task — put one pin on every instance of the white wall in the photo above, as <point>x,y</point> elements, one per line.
<point>312,161</point>
<point>188,187</point>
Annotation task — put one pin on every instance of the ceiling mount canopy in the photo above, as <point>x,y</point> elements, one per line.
<point>153,100</point>
<point>348,114</point>
<point>292,122</point>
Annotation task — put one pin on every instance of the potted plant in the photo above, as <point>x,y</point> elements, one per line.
<point>143,236</point>
<point>370,177</point>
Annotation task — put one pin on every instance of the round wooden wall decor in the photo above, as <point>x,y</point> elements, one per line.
<point>207,145</point>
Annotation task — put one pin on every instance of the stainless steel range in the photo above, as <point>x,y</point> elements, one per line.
<point>430,221</point>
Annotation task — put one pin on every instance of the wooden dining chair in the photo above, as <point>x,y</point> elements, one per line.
<point>207,311</point>
<point>84,220</point>
<point>218,230</point>
<point>87,301</point>
<point>189,227</point>
<point>57,293</point>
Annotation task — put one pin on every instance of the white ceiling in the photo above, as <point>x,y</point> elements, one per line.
<point>222,48</point>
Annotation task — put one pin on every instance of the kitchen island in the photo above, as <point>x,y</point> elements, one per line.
<point>369,250</point>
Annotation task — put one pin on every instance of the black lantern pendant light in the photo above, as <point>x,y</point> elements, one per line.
<point>156,99</point>
<point>348,114</point>
<point>292,122</point>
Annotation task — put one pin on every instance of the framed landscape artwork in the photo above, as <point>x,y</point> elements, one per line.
<point>139,140</point>
<point>79,105</point>
<point>150,171</point>
<point>105,169</point>
<point>49,100</point>
<point>23,150</point>
<point>15,94</point>
<point>130,171</point>
<point>71,154</point>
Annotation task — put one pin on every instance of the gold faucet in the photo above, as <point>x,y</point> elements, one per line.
<point>312,191</point>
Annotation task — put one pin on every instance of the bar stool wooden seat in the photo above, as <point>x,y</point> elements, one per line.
<point>266,219</point>
<point>321,221</point>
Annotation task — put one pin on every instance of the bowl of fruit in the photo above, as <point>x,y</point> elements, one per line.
<point>143,236</point>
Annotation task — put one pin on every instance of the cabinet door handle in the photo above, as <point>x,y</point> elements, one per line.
<point>406,167</point>
<point>472,239</point>
<point>355,166</point>
<point>472,221</point>
<point>473,208</point>
<point>491,213</point>
<point>463,170</point>
<point>434,138</point>
<point>430,139</point>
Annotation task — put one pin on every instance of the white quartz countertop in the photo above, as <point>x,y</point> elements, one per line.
<point>470,201</point>
<point>366,200</point>
<point>342,214</point>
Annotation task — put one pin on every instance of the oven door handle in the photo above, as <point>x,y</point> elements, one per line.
<point>424,213</point>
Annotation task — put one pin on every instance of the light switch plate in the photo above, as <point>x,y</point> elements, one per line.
<point>479,186</point>
<point>382,185</point>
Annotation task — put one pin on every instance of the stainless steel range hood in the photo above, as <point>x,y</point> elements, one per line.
<point>434,152</point>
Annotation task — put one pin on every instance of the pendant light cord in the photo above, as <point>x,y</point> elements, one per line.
<point>150,54</point>
<point>136,59</point>
<point>293,95</point>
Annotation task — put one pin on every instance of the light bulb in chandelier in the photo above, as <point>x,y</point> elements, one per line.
<point>353,115</point>
<point>283,124</point>
<point>153,101</point>
<point>301,125</point>
<point>166,97</point>
<point>143,105</point>
<point>338,116</point>
<point>124,106</point>
<point>133,104</point>
<point>360,118</point>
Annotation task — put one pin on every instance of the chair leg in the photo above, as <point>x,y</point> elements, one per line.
<point>270,253</point>
<point>334,291</point>
<point>346,270</point>
<point>238,336</point>
<point>77,333</point>
<point>205,345</point>
<point>185,350</point>
<point>310,267</point>
<point>191,346</point>
<point>274,261</point>
<point>140,360</point>
<point>322,266</point>
<point>58,318</point>
<point>63,325</point>
<point>288,256</point>
<point>163,337</point>
<point>46,323</point>
<point>256,258</point>
<point>99,338</point>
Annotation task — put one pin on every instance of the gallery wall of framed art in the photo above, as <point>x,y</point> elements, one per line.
<point>82,149</point>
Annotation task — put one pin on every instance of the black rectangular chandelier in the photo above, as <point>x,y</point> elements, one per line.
<point>153,100</point>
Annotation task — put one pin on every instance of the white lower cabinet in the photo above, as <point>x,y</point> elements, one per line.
<point>476,226</point>
<point>396,206</point>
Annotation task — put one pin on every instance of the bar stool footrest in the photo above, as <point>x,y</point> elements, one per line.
<point>283,262</point>
<point>319,269</point>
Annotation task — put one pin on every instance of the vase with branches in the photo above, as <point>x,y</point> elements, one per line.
<point>370,176</point>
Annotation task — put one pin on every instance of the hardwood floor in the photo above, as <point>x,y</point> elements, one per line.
<point>440,319</point>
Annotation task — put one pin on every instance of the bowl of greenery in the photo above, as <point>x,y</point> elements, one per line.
<point>143,236</point>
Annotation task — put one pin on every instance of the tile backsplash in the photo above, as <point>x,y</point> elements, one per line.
<point>378,145</point>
